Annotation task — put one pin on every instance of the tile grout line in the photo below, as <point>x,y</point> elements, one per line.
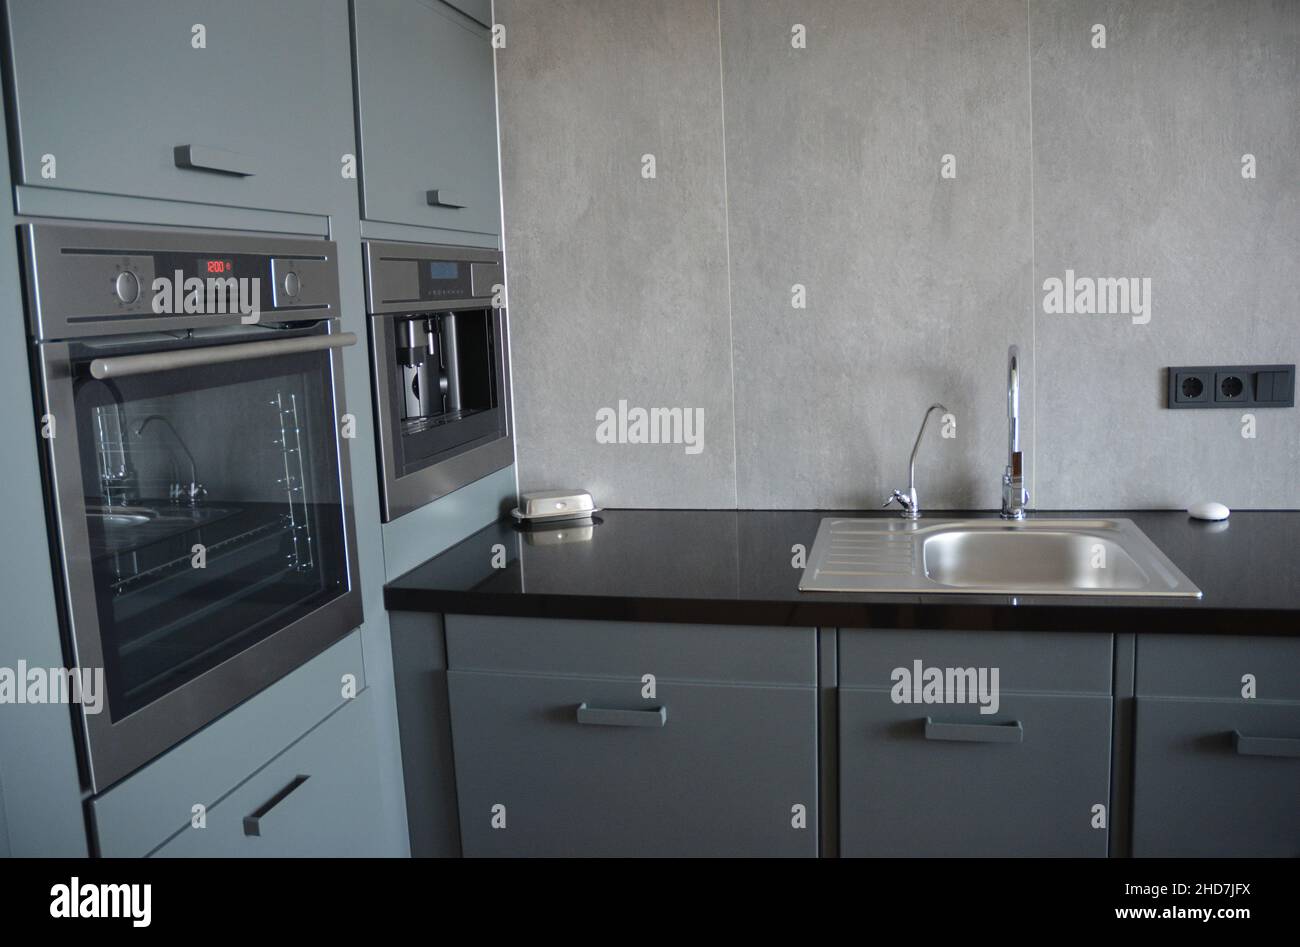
<point>726,240</point>
<point>1033,261</point>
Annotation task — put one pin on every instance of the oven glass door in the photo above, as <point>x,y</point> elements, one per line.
<point>212,513</point>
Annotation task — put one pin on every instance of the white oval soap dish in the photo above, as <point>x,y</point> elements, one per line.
<point>1208,511</point>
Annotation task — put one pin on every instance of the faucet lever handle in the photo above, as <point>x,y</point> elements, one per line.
<point>899,497</point>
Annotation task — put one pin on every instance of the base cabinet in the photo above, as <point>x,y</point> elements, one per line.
<point>925,771</point>
<point>948,781</point>
<point>582,766</point>
<point>1216,763</point>
<point>1216,778</point>
<point>561,750</point>
<point>665,741</point>
<point>320,798</point>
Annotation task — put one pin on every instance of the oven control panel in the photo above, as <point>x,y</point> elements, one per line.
<point>411,276</point>
<point>108,280</point>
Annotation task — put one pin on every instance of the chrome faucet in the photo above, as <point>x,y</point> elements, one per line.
<point>1014,495</point>
<point>908,501</point>
<point>191,492</point>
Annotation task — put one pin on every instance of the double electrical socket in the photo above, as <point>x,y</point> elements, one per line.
<point>1232,386</point>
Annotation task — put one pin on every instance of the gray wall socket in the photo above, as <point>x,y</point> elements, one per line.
<point>1232,386</point>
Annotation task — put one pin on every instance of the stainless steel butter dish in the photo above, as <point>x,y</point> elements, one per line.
<point>549,506</point>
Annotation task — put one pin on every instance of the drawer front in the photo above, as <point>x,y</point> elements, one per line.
<point>320,798</point>
<point>110,105</point>
<point>975,786</point>
<point>1063,662</point>
<point>1214,666</point>
<point>1200,790</point>
<point>699,770</point>
<point>139,813</point>
<point>426,96</point>
<point>730,653</point>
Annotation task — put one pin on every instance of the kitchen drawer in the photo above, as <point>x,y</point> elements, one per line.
<point>111,92</point>
<point>699,770</point>
<point>1064,662</point>
<point>1213,666</point>
<point>321,797</point>
<point>735,653</point>
<point>1201,791</point>
<point>976,785</point>
<point>426,98</point>
<point>139,813</point>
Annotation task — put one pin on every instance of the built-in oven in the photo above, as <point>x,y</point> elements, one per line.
<point>190,388</point>
<point>441,369</point>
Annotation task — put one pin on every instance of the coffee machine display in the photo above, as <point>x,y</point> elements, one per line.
<point>440,367</point>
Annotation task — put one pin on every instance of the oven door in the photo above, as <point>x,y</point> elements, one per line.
<point>202,498</point>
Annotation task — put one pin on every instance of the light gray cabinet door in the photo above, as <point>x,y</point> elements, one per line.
<point>571,766</point>
<point>738,654</point>
<point>320,798</point>
<point>946,780</point>
<point>241,103</point>
<point>1216,778</point>
<point>1027,661</point>
<point>1218,667</point>
<point>141,812</point>
<point>426,101</point>
<point>480,10</point>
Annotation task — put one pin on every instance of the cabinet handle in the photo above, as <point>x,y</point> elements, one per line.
<point>603,717</point>
<point>1011,732</point>
<point>203,158</point>
<point>441,198</point>
<point>252,823</point>
<point>1265,746</point>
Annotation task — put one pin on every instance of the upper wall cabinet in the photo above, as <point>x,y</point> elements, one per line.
<point>241,103</point>
<point>426,97</point>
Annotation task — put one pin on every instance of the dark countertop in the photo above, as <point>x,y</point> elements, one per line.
<point>734,567</point>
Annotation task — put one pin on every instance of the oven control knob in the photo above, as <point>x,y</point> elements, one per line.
<point>292,284</point>
<point>127,287</point>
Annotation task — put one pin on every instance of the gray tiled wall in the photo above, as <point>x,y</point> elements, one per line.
<point>618,283</point>
<point>821,167</point>
<point>1137,172</point>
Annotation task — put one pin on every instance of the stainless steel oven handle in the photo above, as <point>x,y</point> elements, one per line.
<point>123,365</point>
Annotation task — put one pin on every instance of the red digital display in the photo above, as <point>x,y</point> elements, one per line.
<point>216,267</point>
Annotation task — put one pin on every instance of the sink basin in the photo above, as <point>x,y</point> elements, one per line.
<point>1027,557</point>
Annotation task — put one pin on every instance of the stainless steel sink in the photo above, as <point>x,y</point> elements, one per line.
<point>1022,557</point>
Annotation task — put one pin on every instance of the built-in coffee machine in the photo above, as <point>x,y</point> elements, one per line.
<point>440,368</point>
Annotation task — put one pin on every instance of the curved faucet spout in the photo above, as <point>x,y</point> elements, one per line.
<point>908,501</point>
<point>194,490</point>
<point>911,464</point>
